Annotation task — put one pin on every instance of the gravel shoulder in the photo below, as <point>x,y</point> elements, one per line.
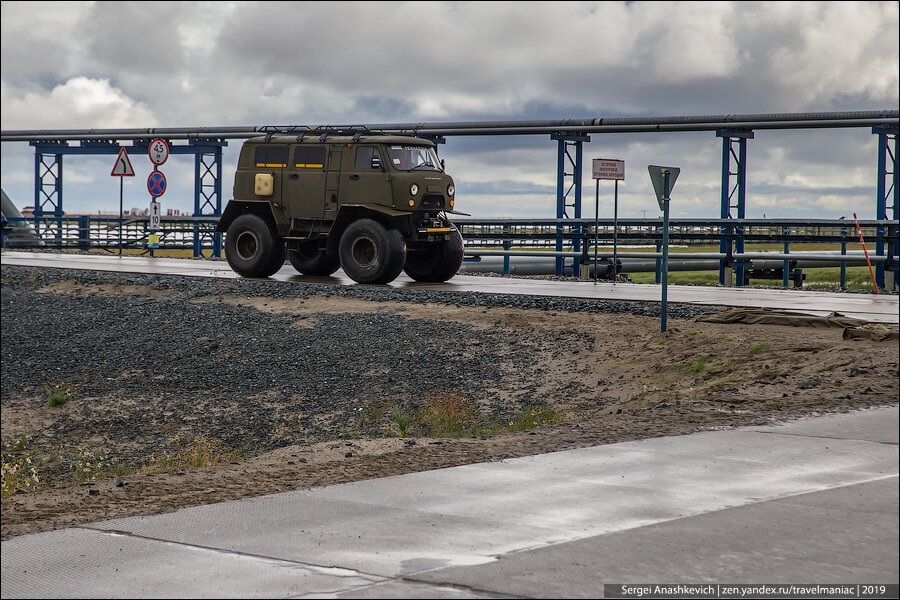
<point>189,391</point>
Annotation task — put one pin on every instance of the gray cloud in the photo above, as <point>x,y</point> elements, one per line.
<point>208,63</point>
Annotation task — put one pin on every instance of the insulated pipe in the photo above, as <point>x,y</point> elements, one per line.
<point>686,256</point>
<point>598,125</point>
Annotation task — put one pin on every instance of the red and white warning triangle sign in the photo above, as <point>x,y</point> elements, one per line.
<point>123,166</point>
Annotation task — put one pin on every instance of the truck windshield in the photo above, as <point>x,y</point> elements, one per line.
<point>407,158</point>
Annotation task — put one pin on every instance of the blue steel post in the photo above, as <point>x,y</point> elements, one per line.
<point>198,209</point>
<point>576,230</point>
<point>659,263</point>
<point>729,242</point>
<point>786,266</point>
<point>665,256</point>
<point>562,192</point>
<point>506,246</point>
<point>597,228</point>
<point>725,243</point>
<point>843,267</point>
<point>217,237</point>
<point>560,200</point>
<point>887,166</point>
<point>741,208</point>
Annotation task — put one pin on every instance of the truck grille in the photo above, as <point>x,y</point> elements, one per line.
<point>432,203</point>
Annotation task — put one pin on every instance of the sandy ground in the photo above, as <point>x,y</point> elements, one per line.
<point>630,382</point>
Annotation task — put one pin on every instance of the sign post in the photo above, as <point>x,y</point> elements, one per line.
<point>663,179</point>
<point>156,185</point>
<point>121,169</point>
<point>614,169</point>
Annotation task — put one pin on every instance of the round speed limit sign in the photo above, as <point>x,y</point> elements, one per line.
<point>159,151</point>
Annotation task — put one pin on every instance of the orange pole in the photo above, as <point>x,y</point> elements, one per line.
<point>871,272</point>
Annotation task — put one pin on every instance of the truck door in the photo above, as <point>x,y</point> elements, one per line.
<point>366,180</point>
<point>269,159</point>
<point>305,182</point>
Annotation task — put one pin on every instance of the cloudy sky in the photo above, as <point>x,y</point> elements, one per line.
<point>158,64</point>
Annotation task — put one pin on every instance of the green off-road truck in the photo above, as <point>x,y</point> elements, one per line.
<point>372,204</point>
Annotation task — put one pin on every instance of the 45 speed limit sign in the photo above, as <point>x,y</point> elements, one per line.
<point>159,151</point>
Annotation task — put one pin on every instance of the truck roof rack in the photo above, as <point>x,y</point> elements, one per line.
<point>271,130</point>
<point>324,131</point>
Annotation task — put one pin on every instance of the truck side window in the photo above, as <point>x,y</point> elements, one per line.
<point>269,156</point>
<point>364,155</point>
<point>309,157</point>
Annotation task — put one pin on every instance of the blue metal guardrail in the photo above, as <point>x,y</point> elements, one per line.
<point>86,232</point>
<point>505,237</point>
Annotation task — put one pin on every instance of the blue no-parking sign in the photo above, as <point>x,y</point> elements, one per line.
<point>156,184</point>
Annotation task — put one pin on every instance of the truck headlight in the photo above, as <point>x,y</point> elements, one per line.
<point>413,189</point>
<point>451,190</point>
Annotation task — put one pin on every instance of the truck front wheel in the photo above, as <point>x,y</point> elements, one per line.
<point>437,262</point>
<point>252,248</point>
<point>372,253</point>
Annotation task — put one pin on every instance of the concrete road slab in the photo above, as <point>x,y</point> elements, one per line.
<point>85,563</point>
<point>778,541</point>
<point>856,425</point>
<point>412,589</point>
<point>470,514</point>
<point>727,506</point>
<point>303,527</point>
<point>883,308</point>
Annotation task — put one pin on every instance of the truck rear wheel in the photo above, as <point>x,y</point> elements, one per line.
<point>309,260</point>
<point>437,262</point>
<point>372,253</point>
<point>252,248</point>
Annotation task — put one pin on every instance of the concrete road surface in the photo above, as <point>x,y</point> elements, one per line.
<point>811,502</point>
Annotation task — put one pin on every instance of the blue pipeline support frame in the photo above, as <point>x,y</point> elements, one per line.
<point>207,192</point>
<point>48,194</point>
<point>733,197</point>
<point>887,189</point>
<point>48,177</point>
<point>563,156</point>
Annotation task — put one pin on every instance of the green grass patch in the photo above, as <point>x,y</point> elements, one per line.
<point>534,416</point>
<point>700,365</point>
<point>448,414</point>
<point>19,469</point>
<point>192,452</point>
<point>59,393</point>
<point>402,419</point>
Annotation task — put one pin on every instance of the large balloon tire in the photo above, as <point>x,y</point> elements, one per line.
<point>251,247</point>
<point>371,253</point>
<point>438,262</point>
